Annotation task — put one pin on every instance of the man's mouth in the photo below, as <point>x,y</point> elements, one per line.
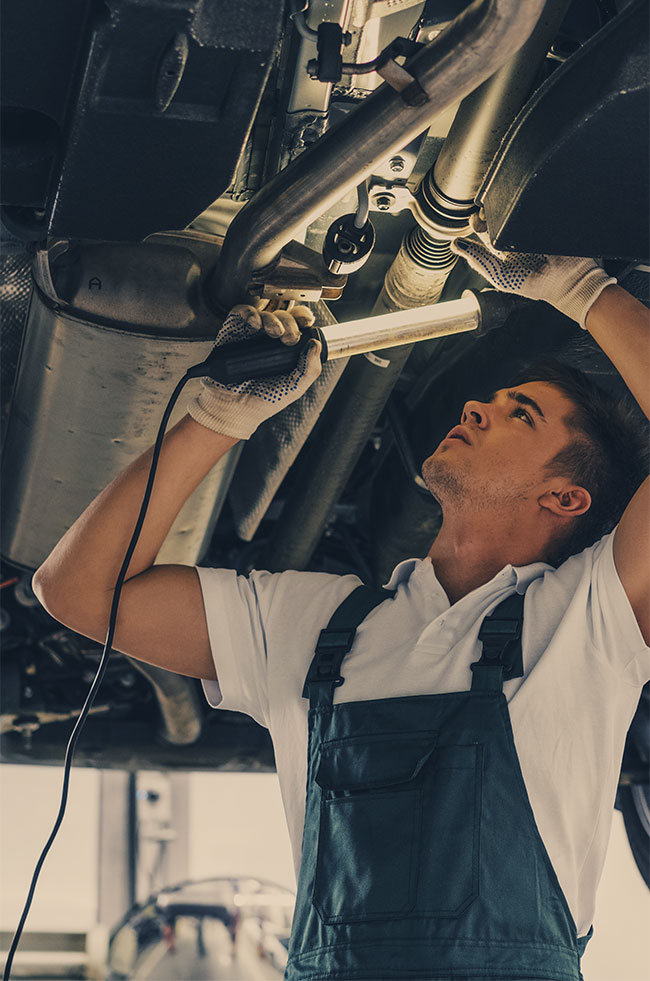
<point>459,433</point>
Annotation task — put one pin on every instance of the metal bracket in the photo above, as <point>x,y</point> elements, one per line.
<point>391,198</point>
<point>41,267</point>
<point>298,273</point>
<point>403,82</point>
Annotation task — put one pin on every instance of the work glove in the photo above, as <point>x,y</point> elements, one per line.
<point>570,285</point>
<point>237,410</point>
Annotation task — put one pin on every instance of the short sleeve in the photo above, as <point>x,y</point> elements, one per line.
<point>614,628</point>
<point>234,616</point>
<point>263,629</point>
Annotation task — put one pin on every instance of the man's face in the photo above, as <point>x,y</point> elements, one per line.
<point>495,458</point>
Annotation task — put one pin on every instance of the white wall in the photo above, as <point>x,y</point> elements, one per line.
<point>66,894</point>
<point>620,947</point>
<point>237,827</point>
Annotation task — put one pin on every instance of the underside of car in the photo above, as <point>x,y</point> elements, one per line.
<point>165,159</point>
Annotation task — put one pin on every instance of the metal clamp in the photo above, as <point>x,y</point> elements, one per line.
<point>298,273</point>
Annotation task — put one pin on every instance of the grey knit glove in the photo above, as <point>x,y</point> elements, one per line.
<point>237,410</point>
<point>570,285</point>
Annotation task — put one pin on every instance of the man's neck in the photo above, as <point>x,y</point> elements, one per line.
<point>468,553</point>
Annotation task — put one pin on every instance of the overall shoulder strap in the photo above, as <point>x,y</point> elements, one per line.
<point>336,640</point>
<point>500,634</point>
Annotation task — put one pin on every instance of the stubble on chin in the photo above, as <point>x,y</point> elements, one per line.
<point>443,482</point>
<point>453,486</point>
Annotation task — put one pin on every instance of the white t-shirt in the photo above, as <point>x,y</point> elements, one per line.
<point>584,657</point>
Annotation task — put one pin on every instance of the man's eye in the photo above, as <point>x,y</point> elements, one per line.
<point>523,415</point>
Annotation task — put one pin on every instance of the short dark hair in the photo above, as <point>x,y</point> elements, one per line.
<point>607,454</point>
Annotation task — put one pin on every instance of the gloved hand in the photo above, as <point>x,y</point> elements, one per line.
<point>570,285</point>
<point>237,410</point>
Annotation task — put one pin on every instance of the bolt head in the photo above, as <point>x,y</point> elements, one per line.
<point>396,165</point>
<point>384,202</point>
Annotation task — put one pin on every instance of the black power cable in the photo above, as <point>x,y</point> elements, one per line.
<point>90,698</point>
<point>229,364</point>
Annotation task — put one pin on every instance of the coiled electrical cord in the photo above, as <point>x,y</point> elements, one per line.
<point>191,373</point>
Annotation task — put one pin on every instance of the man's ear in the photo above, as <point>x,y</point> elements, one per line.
<point>570,501</point>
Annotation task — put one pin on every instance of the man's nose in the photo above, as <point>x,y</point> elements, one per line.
<point>475,413</point>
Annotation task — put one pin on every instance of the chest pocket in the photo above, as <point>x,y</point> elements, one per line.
<point>399,827</point>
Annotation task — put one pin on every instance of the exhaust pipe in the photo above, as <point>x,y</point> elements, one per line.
<point>444,200</point>
<point>479,41</point>
<point>467,52</point>
<point>181,718</point>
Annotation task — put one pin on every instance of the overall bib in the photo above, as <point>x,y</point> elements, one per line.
<point>421,856</point>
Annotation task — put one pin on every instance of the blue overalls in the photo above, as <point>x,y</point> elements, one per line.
<point>421,856</point>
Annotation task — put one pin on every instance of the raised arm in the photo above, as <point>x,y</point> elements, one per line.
<point>161,618</point>
<point>620,324</point>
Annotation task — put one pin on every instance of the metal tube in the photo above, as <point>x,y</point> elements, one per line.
<point>85,404</point>
<point>483,37</point>
<point>297,15</point>
<point>325,464</point>
<point>418,273</point>
<point>181,718</point>
<point>484,116</point>
<point>402,327</point>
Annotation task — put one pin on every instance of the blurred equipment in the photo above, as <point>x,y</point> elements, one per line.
<point>228,929</point>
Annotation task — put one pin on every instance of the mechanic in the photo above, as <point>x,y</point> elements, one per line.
<point>458,802</point>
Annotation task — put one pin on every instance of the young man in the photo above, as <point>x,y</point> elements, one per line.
<point>460,782</point>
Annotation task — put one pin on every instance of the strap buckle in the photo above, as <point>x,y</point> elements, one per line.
<point>497,635</point>
<point>335,641</point>
<point>509,629</point>
<point>333,644</point>
<point>333,638</point>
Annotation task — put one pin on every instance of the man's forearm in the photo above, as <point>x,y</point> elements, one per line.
<point>620,325</point>
<point>90,554</point>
